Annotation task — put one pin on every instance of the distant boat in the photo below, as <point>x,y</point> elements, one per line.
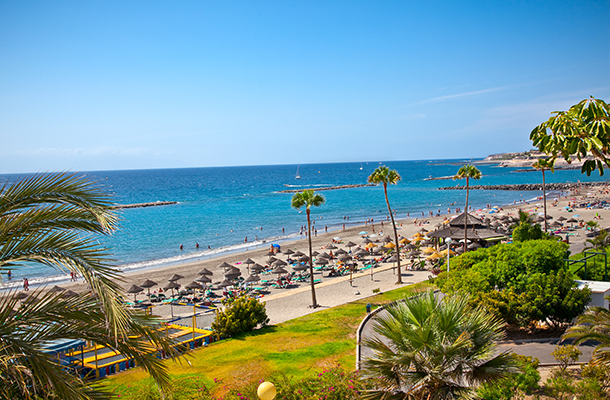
<point>298,176</point>
<point>360,166</point>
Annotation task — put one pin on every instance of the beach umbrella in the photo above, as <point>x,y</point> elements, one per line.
<point>321,261</point>
<point>252,278</point>
<point>325,255</point>
<point>331,247</point>
<point>417,234</point>
<point>225,265</point>
<point>279,270</point>
<point>135,290</point>
<point>257,268</point>
<point>69,293</point>
<point>429,250</point>
<point>172,286</point>
<point>205,271</point>
<point>404,241</point>
<point>392,259</point>
<point>362,252</point>
<point>175,277</point>
<point>423,230</point>
<point>225,283</point>
<point>147,284</point>
<point>562,218</point>
<point>413,253</point>
<point>203,279</point>
<point>389,245</point>
<point>288,252</point>
<point>410,246</point>
<point>56,289</point>
<point>340,251</point>
<point>194,285</point>
<point>298,254</point>
<point>303,258</point>
<point>362,233</point>
<point>444,252</point>
<point>473,246</point>
<point>351,244</point>
<point>345,257</point>
<point>434,256</point>
<point>367,241</point>
<point>315,253</point>
<point>280,263</point>
<point>370,246</point>
<point>300,267</point>
<point>270,254</point>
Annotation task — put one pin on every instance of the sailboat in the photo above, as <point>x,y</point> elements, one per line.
<point>297,175</point>
<point>360,166</point>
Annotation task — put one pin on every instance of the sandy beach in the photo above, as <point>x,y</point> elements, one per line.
<point>285,304</point>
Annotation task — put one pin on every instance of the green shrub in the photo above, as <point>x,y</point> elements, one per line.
<point>521,282</point>
<point>242,314</point>
<point>566,355</point>
<point>525,381</point>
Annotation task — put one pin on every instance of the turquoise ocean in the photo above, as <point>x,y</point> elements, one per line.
<point>220,207</point>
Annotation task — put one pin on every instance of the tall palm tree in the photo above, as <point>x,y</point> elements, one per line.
<point>467,172</point>
<point>308,198</point>
<point>594,324</point>
<point>53,219</point>
<point>543,165</point>
<point>384,176</point>
<point>425,348</point>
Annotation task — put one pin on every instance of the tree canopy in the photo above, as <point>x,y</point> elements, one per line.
<point>522,282</point>
<point>583,130</point>
<point>53,219</point>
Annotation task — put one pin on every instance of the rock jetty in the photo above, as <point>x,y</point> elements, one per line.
<point>140,205</point>
<point>325,188</point>
<point>529,186</point>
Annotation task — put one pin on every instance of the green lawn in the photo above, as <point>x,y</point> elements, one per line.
<point>295,348</point>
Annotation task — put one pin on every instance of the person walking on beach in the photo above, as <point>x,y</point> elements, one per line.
<point>197,245</point>
<point>26,284</point>
<point>181,247</point>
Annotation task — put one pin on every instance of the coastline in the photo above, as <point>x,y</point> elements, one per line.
<point>236,254</point>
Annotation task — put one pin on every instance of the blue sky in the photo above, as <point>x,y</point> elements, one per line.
<point>99,85</point>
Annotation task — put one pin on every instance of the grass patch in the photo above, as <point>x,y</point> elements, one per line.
<point>325,338</point>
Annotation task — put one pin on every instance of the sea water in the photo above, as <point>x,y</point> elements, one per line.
<point>234,208</point>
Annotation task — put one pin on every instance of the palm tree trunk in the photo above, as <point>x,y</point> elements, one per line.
<point>466,217</point>
<point>314,303</point>
<point>544,200</point>
<point>385,190</point>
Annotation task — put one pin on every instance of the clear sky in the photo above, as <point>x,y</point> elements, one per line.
<point>98,85</point>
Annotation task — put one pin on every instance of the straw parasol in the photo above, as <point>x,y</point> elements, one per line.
<point>175,277</point>
<point>225,283</point>
<point>135,290</point>
<point>321,261</point>
<point>279,270</point>
<point>280,263</point>
<point>69,293</point>
<point>303,258</point>
<point>56,289</point>
<point>252,278</point>
<point>203,279</point>
<point>288,252</point>
<point>300,267</point>
<point>351,244</point>
<point>331,247</point>
<point>172,286</point>
<point>257,268</point>
<point>225,265</point>
<point>205,271</point>
<point>147,284</point>
<point>194,285</point>
<point>434,256</point>
<point>297,254</point>
<point>429,250</point>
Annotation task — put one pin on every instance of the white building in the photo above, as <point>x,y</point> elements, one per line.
<point>598,291</point>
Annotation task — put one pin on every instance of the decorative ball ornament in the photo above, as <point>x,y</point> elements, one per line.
<point>266,391</point>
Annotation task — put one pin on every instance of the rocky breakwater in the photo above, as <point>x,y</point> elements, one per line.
<point>320,189</point>
<point>140,205</point>
<point>530,186</point>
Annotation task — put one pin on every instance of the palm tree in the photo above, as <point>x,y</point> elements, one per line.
<point>599,242</point>
<point>308,199</point>
<point>594,324</point>
<point>384,176</point>
<point>467,172</point>
<point>543,165</point>
<point>51,219</point>
<point>427,348</point>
